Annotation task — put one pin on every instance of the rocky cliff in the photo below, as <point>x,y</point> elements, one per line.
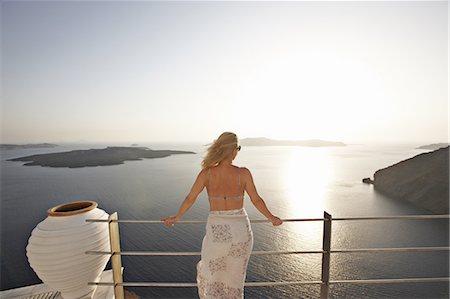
<point>422,180</point>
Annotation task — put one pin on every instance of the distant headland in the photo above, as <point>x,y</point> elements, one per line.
<point>262,141</point>
<point>24,146</point>
<point>433,146</point>
<point>421,180</point>
<point>96,157</point>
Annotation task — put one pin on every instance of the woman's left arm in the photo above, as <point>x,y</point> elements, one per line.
<point>197,187</point>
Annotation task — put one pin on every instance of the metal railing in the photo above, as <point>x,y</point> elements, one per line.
<point>325,282</point>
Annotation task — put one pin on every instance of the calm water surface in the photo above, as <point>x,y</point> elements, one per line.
<point>296,182</point>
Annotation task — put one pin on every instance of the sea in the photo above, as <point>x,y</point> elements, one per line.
<point>295,182</point>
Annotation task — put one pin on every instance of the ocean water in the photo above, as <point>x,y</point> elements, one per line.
<point>295,182</point>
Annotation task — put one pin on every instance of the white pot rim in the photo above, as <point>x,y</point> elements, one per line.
<point>72,208</point>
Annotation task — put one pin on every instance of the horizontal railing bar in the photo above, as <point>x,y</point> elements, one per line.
<point>279,283</point>
<point>287,220</point>
<point>268,252</point>
<point>190,253</point>
<point>193,284</point>
<point>394,280</point>
<point>388,249</point>
<point>194,221</point>
<point>401,217</point>
<point>95,252</point>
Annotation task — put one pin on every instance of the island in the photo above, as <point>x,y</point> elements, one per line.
<point>433,146</point>
<point>4,146</point>
<point>422,180</point>
<point>112,155</point>
<point>263,141</point>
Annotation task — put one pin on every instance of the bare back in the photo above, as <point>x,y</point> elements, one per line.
<point>225,187</point>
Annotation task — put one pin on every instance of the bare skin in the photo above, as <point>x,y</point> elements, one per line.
<point>224,168</point>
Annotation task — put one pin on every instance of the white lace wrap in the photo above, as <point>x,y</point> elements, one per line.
<point>226,249</point>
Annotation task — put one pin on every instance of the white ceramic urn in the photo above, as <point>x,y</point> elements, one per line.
<point>57,248</point>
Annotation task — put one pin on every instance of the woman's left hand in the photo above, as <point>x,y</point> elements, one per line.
<point>276,221</point>
<point>170,221</point>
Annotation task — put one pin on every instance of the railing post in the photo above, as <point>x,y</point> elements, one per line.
<point>116,260</point>
<point>326,244</point>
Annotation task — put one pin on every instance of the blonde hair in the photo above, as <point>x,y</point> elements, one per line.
<point>220,149</point>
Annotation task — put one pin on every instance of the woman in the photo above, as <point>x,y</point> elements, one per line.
<point>228,242</point>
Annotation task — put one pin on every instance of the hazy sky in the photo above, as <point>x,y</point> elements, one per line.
<point>186,71</point>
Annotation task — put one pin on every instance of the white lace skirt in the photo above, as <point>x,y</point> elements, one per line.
<point>226,249</point>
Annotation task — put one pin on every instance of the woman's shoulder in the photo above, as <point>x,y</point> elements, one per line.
<point>204,171</point>
<point>243,170</point>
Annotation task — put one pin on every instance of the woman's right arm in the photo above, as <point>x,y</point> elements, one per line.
<point>197,187</point>
<point>257,201</point>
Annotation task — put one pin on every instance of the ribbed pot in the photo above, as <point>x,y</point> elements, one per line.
<point>57,246</point>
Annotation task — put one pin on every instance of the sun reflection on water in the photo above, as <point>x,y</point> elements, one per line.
<point>306,177</point>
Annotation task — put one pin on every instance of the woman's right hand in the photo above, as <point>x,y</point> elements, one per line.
<point>170,221</point>
<point>276,221</point>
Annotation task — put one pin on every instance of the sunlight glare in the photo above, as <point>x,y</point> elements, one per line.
<point>307,174</point>
<point>301,96</point>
